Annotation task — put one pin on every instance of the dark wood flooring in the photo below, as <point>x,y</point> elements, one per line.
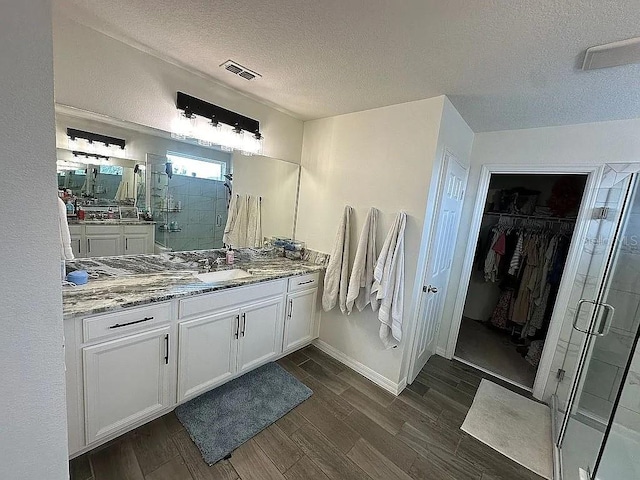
<point>349,429</point>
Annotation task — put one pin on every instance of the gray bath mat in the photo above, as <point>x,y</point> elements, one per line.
<point>221,420</point>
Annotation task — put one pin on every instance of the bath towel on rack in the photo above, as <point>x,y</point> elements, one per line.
<point>336,276</point>
<point>254,225</point>
<point>361,279</point>
<point>66,253</point>
<point>389,283</point>
<point>232,217</point>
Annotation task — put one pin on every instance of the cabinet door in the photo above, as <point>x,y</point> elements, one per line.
<point>207,352</point>
<point>76,246</point>
<point>125,380</point>
<point>136,244</point>
<point>299,322</point>
<point>103,245</point>
<point>260,333</point>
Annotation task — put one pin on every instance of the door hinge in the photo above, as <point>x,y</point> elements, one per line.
<point>560,374</point>
<point>601,213</point>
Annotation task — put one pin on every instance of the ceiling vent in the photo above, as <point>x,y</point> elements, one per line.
<point>239,70</point>
<point>614,54</point>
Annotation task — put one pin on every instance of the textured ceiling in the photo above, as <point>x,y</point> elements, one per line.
<point>503,64</point>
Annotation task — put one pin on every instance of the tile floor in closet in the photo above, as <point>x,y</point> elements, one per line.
<point>349,429</point>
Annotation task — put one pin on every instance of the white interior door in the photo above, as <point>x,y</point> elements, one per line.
<point>440,256</point>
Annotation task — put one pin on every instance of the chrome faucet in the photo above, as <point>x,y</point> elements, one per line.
<point>205,265</point>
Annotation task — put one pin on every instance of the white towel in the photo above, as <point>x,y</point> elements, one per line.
<point>232,216</point>
<point>361,279</point>
<point>254,225</point>
<point>65,237</point>
<point>389,283</point>
<point>336,276</point>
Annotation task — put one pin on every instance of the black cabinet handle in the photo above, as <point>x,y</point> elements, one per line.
<point>290,308</point>
<point>126,243</point>
<point>237,325</point>
<point>88,244</point>
<point>118,325</point>
<point>244,323</point>
<point>166,344</point>
<point>304,283</point>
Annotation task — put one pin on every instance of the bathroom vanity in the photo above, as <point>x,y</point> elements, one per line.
<point>148,334</point>
<point>102,239</point>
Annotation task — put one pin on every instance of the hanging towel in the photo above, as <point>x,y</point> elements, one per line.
<point>336,276</point>
<point>232,216</point>
<point>65,237</point>
<point>361,280</point>
<point>389,283</point>
<point>254,222</point>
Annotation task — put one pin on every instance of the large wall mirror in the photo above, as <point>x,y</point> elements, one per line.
<point>177,189</point>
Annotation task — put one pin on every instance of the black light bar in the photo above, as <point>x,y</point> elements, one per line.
<point>192,105</point>
<point>73,133</point>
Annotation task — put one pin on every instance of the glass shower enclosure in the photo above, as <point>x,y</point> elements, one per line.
<point>597,399</point>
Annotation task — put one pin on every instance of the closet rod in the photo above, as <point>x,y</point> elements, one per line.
<point>530,217</point>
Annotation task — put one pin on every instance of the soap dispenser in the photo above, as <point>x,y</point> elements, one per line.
<point>230,256</point>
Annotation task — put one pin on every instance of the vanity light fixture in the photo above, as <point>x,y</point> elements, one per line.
<point>210,124</point>
<point>91,143</point>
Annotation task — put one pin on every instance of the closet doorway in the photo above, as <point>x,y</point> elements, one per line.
<point>526,231</point>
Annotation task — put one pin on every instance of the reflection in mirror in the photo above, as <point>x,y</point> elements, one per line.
<point>183,191</point>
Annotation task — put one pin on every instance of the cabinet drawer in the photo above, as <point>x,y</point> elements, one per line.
<point>229,297</point>
<point>139,229</point>
<point>125,322</point>
<point>102,229</point>
<point>303,282</point>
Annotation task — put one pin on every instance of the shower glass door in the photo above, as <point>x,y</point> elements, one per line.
<point>602,332</point>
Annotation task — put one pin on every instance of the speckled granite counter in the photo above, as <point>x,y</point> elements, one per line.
<point>127,281</point>
<point>113,221</point>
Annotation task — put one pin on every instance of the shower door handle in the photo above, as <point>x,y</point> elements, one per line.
<point>605,323</point>
<point>607,320</point>
<point>578,309</point>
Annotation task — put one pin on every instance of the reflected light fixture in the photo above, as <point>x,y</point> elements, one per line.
<point>210,124</point>
<point>82,142</point>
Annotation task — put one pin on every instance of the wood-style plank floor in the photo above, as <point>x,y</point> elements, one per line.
<point>349,429</point>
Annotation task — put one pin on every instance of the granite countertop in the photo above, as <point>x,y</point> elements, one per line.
<point>112,221</point>
<point>133,280</point>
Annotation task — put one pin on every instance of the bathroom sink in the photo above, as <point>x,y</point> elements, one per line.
<point>223,275</point>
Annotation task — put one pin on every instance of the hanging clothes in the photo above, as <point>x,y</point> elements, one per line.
<point>527,282</point>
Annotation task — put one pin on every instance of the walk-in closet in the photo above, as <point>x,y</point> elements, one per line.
<point>525,235</point>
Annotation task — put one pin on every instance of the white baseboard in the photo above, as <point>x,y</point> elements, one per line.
<point>375,377</point>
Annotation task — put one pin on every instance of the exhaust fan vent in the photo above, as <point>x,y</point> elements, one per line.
<point>239,70</point>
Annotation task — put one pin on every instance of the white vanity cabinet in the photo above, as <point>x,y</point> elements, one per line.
<point>126,367</point>
<point>126,362</point>
<point>138,239</point>
<point>207,350</point>
<point>300,321</point>
<point>260,335</point>
<point>222,342</point>
<point>107,240</point>
<point>126,380</point>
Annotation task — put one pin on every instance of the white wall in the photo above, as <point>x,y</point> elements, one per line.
<point>97,73</point>
<point>382,158</point>
<point>33,437</point>
<point>276,182</point>
<point>588,145</point>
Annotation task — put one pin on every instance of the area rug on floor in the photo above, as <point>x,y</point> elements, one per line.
<point>515,426</point>
<point>221,420</point>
